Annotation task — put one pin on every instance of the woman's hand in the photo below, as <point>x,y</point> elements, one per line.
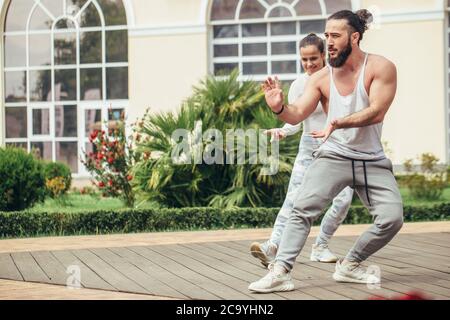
<point>276,134</point>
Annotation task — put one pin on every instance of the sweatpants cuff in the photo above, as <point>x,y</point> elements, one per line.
<point>352,257</point>
<point>283,264</point>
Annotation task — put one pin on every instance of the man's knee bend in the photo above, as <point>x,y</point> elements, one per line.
<point>398,224</point>
<point>394,224</point>
<point>393,220</point>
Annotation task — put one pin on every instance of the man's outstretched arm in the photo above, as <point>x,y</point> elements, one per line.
<point>300,109</point>
<point>382,94</point>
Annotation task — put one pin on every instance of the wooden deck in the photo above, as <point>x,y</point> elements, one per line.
<point>418,262</point>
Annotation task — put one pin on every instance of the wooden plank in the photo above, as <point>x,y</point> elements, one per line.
<point>119,281</point>
<point>8,269</point>
<point>172,280</point>
<point>52,267</point>
<point>234,276</point>
<point>395,255</point>
<point>422,247</point>
<point>324,294</point>
<point>150,283</point>
<point>425,249</point>
<point>391,281</point>
<point>296,273</point>
<point>250,262</point>
<point>214,273</point>
<point>21,290</point>
<point>385,261</point>
<point>203,281</point>
<point>412,283</point>
<point>441,239</point>
<point>249,269</point>
<point>89,279</point>
<point>29,268</point>
<point>319,271</point>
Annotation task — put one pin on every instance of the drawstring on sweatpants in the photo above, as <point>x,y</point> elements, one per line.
<point>366,184</point>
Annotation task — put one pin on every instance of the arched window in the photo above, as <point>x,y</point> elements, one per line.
<point>261,37</point>
<point>66,64</point>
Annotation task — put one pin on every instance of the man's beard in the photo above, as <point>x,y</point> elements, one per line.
<point>340,60</point>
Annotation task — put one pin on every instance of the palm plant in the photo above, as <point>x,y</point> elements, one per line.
<point>219,104</point>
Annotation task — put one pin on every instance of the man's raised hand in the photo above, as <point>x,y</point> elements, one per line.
<point>273,93</point>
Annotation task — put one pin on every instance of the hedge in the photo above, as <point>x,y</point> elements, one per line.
<point>28,224</point>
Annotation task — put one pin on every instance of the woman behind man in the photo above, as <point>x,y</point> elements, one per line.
<point>312,52</point>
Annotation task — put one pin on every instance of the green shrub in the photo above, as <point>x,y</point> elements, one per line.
<point>27,224</point>
<point>430,182</point>
<point>22,180</point>
<point>60,173</point>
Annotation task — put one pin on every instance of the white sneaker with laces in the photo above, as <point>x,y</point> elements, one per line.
<point>276,280</point>
<point>321,253</point>
<point>353,272</point>
<point>266,252</point>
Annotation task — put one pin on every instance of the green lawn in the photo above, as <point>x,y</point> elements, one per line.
<point>79,203</point>
<point>411,201</point>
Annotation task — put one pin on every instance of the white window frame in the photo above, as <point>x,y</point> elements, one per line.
<point>82,139</point>
<point>268,39</point>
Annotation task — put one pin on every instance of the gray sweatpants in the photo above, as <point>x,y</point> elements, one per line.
<point>326,177</point>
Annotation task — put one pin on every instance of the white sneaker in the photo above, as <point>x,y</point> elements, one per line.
<point>321,253</point>
<point>266,252</point>
<point>275,281</point>
<point>353,272</point>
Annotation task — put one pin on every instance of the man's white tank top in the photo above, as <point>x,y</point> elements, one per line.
<point>357,143</point>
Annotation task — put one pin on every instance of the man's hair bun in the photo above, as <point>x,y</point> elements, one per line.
<point>365,16</point>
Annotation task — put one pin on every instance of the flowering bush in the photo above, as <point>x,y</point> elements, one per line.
<point>111,161</point>
<point>60,170</point>
<point>55,187</point>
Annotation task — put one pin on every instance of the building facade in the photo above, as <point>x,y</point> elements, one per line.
<point>66,62</point>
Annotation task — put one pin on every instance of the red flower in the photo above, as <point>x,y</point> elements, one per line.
<point>100,156</point>
<point>110,160</point>
<point>110,183</point>
<point>101,184</point>
<point>130,177</point>
<point>94,135</point>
